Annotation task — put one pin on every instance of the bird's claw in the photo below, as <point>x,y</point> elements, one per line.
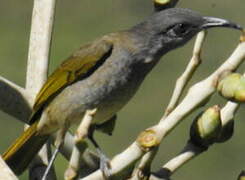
<point>105,166</point>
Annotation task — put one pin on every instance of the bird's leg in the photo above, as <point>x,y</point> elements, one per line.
<point>104,161</point>
<point>58,143</point>
<point>80,145</point>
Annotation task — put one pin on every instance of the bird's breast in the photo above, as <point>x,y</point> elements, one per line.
<point>106,92</point>
<point>108,89</point>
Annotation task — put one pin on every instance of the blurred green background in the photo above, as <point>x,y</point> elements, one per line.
<point>80,21</point>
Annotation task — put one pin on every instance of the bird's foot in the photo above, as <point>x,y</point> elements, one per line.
<point>105,165</point>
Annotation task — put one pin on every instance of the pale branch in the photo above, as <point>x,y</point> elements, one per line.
<point>228,112</point>
<point>14,100</point>
<point>196,95</point>
<point>124,161</point>
<point>199,92</point>
<point>89,161</point>
<point>37,66</point>
<point>188,73</point>
<point>181,83</point>
<point>144,167</point>
<point>39,45</point>
<point>191,151</point>
<point>80,145</point>
<point>18,101</point>
<point>14,86</point>
<point>122,164</point>
<point>5,171</point>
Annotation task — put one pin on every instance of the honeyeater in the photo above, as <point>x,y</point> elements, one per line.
<point>104,75</point>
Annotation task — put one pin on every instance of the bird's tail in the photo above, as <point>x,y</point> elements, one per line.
<point>19,155</point>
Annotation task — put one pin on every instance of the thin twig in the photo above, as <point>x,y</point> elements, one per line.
<point>181,83</point>
<point>183,80</point>
<point>80,146</point>
<point>37,65</point>
<point>195,97</point>
<point>191,151</point>
<point>89,161</point>
<point>39,47</point>
<point>14,100</point>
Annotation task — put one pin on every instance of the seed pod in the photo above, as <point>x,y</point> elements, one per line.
<point>206,128</point>
<point>228,85</point>
<point>164,4</point>
<point>241,176</point>
<point>232,87</point>
<point>240,92</point>
<point>242,38</point>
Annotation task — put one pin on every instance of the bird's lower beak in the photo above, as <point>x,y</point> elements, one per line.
<point>218,22</point>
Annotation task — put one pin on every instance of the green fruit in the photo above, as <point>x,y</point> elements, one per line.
<point>206,127</point>
<point>232,87</point>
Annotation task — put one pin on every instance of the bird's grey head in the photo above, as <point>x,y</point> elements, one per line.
<point>171,28</point>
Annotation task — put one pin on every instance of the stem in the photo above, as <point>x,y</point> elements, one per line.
<point>37,65</point>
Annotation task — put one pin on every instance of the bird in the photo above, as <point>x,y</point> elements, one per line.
<point>104,75</point>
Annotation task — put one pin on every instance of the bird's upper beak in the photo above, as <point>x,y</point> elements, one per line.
<point>218,22</point>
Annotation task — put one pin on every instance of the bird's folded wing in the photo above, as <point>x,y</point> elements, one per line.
<point>77,67</point>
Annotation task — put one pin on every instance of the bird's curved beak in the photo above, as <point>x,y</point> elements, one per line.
<point>218,22</point>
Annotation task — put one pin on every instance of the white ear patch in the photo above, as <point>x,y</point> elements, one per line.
<point>148,60</point>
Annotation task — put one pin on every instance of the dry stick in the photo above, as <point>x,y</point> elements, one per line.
<point>144,167</point>
<point>81,133</point>
<point>197,94</point>
<point>89,161</point>
<point>188,73</point>
<point>181,83</point>
<point>37,67</point>
<point>17,101</point>
<point>228,112</point>
<point>39,47</point>
<point>191,151</point>
<point>14,100</point>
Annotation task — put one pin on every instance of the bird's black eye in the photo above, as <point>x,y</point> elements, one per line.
<point>178,30</point>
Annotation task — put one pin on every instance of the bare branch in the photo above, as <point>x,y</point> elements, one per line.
<point>199,92</point>
<point>188,73</point>
<point>14,100</point>
<point>196,95</point>
<point>80,146</point>
<point>191,151</point>
<point>89,161</point>
<point>39,48</point>
<point>124,161</point>
<point>228,112</point>
<point>178,90</point>
<point>188,153</point>
<point>144,168</point>
<point>38,57</point>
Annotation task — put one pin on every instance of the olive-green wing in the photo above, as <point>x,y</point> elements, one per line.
<point>77,67</point>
